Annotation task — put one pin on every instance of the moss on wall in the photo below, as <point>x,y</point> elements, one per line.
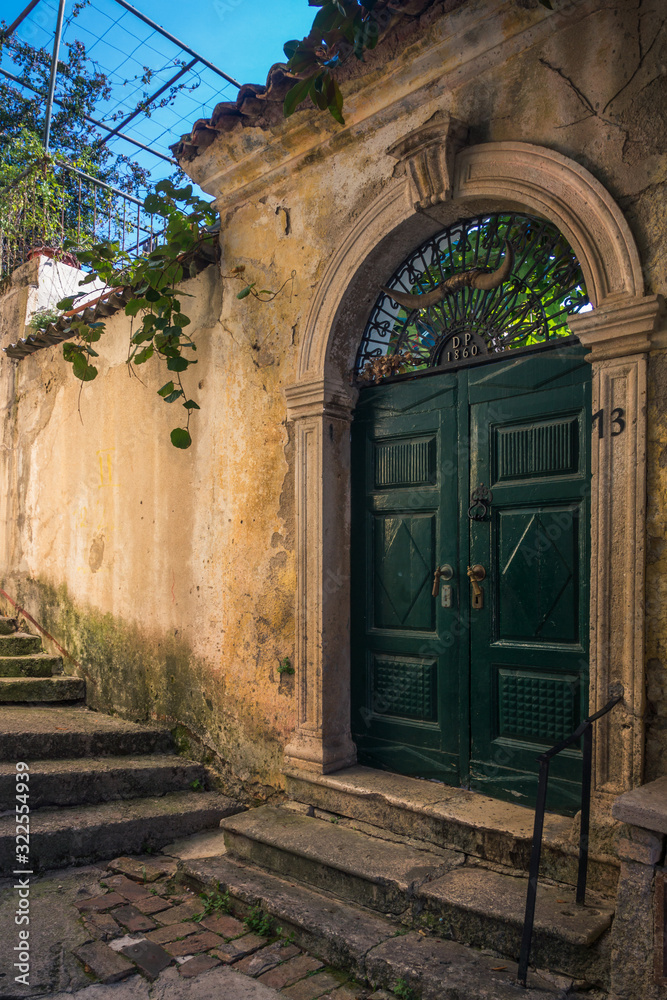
<point>140,673</point>
<point>172,576</point>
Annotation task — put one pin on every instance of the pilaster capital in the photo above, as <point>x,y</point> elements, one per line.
<point>325,397</point>
<point>429,153</point>
<point>621,325</point>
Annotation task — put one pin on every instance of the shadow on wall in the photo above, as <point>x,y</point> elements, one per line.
<point>142,675</point>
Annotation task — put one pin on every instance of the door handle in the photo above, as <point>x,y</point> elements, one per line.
<point>441,573</point>
<point>477,573</point>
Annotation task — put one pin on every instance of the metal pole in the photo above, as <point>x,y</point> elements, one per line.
<point>533,871</point>
<point>145,104</point>
<point>585,814</point>
<point>93,121</point>
<point>54,73</point>
<point>22,16</point>
<point>177,41</point>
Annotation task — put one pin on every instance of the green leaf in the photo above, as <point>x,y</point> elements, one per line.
<point>180,319</point>
<point>327,18</point>
<point>190,404</point>
<point>178,364</point>
<point>134,306</point>
<point>336,107</point>
<point>180,438</point>
<point>296,95</point>
<point>144,355</point>
<point>82,370</point>
<point>289,48</point>
<point>173,396</point>
<point>303,60</point>
<point>66,303</point>
<point>246,291</point>
<point>152,203</point>
<point>165,187</point>
<point>167,388</point>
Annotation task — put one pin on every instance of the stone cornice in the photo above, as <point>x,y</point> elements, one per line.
<point>236,164</point>
<point>621,325</point>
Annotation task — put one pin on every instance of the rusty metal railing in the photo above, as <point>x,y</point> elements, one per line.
<point>51,202</point>
<point>584,731</point>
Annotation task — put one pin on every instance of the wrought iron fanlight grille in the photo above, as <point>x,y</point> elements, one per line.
<point>531,307</point>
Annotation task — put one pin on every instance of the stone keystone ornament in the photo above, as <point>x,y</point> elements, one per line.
<point>475,278</point>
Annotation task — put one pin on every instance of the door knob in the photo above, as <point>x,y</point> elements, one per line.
<point>477,573</point>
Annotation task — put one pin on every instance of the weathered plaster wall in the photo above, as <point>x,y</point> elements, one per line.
<point>165,573</point>
<point>171,575</point>
<point>656,571</point>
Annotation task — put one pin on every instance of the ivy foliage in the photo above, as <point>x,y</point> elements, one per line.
<point>341,28</point>
<point>155,302</point>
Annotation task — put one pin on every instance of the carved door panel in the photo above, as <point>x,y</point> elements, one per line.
<point>442,688</point>
<point>530,432</point>
<point>404,674</point>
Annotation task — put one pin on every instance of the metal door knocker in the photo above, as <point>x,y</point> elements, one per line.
<point>481,498</point>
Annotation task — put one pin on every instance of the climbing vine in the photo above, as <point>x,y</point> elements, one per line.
<point>341,28</point>
<point>155,298</point>
<point>152,284</point>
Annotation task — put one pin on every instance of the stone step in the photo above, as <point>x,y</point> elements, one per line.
<point>453,818</point>
<point>81,834</point>
<point>51,732</point>
<point>371,946</point>
<point>19,644</point>
<point>41,689</point>
<point>31,665</point>
<point>8,625</point>
<point>374,873</point>
<point>425,889</point>
<point>83,782</point>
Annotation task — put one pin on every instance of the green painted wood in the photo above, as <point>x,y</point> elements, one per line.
<point>530,431</point>
<point>473,696</point>
<point>404,670</point>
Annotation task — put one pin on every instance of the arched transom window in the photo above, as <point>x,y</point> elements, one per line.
<point>491,284</point>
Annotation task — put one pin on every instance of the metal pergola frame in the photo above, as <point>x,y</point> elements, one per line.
<point>51,99</point>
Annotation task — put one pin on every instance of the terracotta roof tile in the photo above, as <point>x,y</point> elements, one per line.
<point>261,106</point>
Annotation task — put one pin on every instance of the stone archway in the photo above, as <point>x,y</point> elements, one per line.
<point>438,186</point>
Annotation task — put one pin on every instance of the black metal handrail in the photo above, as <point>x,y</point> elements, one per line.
<point>585,730</point>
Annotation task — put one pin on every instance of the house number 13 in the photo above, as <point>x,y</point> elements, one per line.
<point>617,421</point>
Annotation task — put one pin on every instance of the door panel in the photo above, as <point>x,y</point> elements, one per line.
<point>403,561</point>
<point>404,674</point>
<point>529,644</point>
<point>440,688</point>
<point>536,592</point>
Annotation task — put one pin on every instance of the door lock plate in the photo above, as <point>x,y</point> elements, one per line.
<point>477,573</point>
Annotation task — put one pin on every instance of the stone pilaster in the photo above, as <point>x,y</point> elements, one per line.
<point>619,334</point>
<point>322,413</point>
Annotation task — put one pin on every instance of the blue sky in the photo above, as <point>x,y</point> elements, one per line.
<point>242,37</point>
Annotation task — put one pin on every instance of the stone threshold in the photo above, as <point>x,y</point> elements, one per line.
<point>452,818</point>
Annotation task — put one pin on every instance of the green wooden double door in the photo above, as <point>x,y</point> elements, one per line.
<point>464,688</point>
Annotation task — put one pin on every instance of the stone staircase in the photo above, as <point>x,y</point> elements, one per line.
<point>415,866</point>
<point>28,674</point>
<point>99,786</point>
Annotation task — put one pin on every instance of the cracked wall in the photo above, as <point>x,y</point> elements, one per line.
<point>170,574</point>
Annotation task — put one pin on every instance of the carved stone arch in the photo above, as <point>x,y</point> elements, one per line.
<point>619,331</point>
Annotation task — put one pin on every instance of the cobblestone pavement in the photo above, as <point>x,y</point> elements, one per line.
<point>130,931</point>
